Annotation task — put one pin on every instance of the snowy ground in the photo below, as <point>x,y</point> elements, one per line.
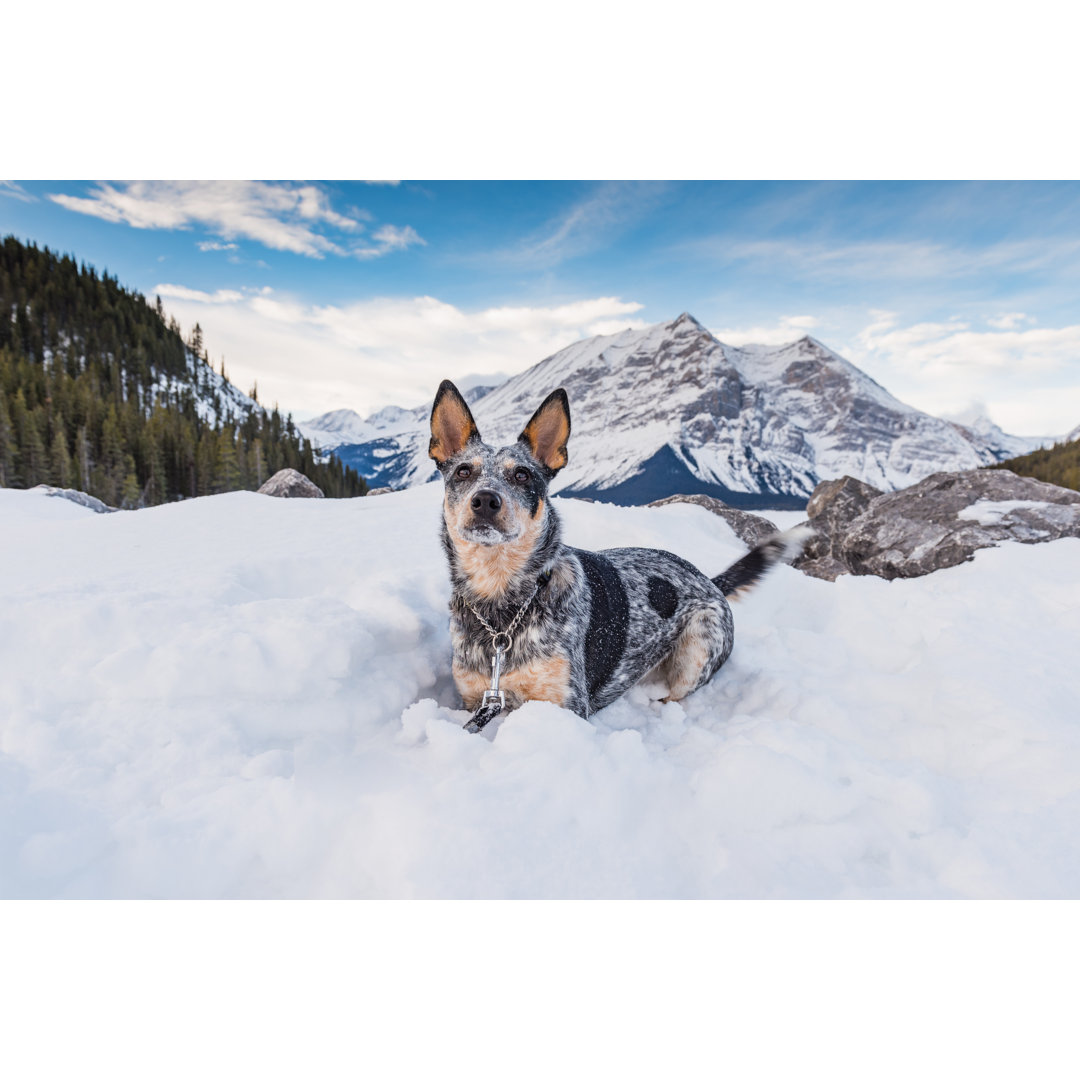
<point>245,696</point>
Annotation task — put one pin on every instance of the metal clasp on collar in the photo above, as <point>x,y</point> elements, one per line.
<point>495,696</point>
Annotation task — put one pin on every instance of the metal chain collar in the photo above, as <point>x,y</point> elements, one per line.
<point>496,634</point>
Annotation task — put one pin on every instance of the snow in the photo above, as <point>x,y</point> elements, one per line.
<point>989,512</point>
<point>241,696</point>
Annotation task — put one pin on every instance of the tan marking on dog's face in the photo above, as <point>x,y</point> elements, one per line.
<point>492,568</point>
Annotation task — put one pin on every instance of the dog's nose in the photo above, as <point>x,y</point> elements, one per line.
<point>486,504</point>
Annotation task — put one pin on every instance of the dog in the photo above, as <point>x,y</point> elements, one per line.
<point>578,628</point>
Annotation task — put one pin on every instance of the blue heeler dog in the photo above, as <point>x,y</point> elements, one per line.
<point>578,628</point>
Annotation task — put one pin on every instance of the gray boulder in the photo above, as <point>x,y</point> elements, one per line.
<point>833,505</point>
<point>749,528</point>
<point>290,484</point>
<point>939,522</point>
<point>74,496</point>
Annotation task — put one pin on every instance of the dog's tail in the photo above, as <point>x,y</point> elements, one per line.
<point>780,547</point>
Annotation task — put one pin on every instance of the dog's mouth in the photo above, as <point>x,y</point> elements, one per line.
<point>486,532</point>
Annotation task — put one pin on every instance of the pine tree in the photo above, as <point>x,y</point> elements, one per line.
<point>9,453</point>
<point>60,470</point>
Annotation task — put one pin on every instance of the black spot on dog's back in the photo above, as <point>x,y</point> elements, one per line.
<point>609,619</point>
<point>663,597</point>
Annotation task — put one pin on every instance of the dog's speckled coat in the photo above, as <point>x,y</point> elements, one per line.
<point>598,622</point>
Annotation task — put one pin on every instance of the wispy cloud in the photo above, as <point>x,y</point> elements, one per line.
<point>608,209</point>
<point>381,351</point>
<point>887,260</point>
<point>286,217</point>
<point>215,245</point>
<point>182,292</point>
<point>13,191</point>
<point>389,238</point>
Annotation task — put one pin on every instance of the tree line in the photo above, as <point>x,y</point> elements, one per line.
<point>1058,464</point>
<point>98,391</point>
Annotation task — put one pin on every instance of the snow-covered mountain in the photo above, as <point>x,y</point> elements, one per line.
<point>374,446</point>
<point>670,409</point>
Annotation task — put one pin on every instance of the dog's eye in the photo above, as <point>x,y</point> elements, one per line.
<point>463,472</point>
<point>522,476</point>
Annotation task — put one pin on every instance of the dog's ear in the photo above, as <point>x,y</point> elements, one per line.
<point>546,434</point>
<point>452,424</point>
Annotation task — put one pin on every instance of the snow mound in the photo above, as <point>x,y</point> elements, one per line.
<point>247,697</point>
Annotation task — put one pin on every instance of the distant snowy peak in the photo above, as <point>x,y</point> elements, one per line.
<point>1074,434</point>
<point>346,427</point>
<point>669,409</point>
<point>981,431</point>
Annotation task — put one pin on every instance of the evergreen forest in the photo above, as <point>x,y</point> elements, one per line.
<point>100,392</point>
<point>1058,464</point>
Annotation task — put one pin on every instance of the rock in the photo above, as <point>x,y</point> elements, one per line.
<point>832,507</point>
<point>749,528</point>
<point>79,497</point>
<point>380,491</point>
<point>943,520</point>
<point>290,484</point>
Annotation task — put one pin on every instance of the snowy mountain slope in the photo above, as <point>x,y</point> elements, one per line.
<point>182,719</point>
<point>216,399</point>
<point>670,409</point>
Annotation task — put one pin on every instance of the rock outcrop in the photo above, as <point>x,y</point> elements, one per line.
<point>834,504</point>
<point>749,528</point>
<point>290,484</point>
<point>939,522</point>
<point>74,496</point>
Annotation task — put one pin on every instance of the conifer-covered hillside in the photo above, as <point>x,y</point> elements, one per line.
<point>98,391</point>
<point>1058,464</point>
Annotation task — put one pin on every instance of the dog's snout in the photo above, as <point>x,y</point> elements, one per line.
<point>486,504</point>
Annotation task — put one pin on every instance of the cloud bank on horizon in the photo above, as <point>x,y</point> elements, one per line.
<point>954,296</point>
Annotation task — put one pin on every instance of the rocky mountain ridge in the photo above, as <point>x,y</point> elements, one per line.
<point>670,409</point>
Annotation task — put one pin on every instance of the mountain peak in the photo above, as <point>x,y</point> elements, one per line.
<point>686,321</point>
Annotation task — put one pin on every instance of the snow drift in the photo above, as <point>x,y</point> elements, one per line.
<point>241,696</point>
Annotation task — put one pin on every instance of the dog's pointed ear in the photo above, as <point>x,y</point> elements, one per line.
<point>452,424</point>
<point>546,434</point>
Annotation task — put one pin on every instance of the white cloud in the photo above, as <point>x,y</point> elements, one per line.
<point>15,191</point>
<point>214,245</point>
<point>1028,378</point>
<point>285,217</point>
<point>1009,320</point>
<point>389,238</point>
<point>789,328</point>
<point>379,352</point>
<point>182,292</point>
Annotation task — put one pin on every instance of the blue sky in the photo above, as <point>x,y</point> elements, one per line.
<point>953,295</point>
